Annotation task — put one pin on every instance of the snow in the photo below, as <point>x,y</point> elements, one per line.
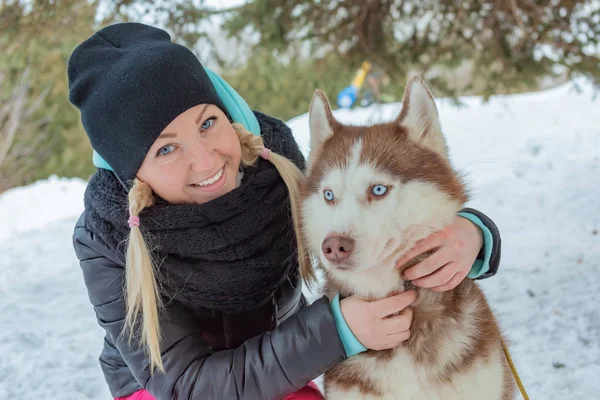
<point>533,164</point>
<point>33,206</point>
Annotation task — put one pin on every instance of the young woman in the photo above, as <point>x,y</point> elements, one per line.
<point>187,242</point>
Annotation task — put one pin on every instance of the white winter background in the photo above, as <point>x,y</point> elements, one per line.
<point>533,164</point>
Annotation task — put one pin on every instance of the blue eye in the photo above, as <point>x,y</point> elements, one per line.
<point>165,150</point>
<point>208,123</point>
<point>328,194</point>
<point>379,190</point>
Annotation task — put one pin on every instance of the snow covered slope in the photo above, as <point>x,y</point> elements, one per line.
<point>533,164</point>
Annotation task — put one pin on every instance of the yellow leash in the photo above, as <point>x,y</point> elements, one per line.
<point>514,371</point>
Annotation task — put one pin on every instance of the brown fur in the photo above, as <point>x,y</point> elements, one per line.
<point>349,377</point>
<point>399,157</point>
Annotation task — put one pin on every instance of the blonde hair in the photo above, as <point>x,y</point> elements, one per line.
<point>141,291</point>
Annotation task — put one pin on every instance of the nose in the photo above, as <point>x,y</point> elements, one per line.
<point>337,248</point>
<point>201,158</point>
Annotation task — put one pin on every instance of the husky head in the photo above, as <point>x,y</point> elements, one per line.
<point>371,192</point>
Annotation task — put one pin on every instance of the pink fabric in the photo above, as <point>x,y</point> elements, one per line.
<point>308,392</point>
<point>139,395</point>
<point>264,153</point>
<point>134,221</point>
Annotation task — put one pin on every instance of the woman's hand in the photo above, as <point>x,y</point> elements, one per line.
<point>456,249</point>
<point>369,322</point>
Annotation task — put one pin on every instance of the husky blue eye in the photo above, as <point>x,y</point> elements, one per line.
<point>379,190</point>
<point>328,195</point>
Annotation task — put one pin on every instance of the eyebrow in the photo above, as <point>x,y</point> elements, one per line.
<point>167,135</point>
<point>199,117</point>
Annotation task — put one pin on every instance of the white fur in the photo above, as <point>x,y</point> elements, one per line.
<point>401,378</point>
<point>421,118</point>
<point>320,129</point>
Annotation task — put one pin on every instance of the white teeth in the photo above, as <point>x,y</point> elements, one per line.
<point>211,180</point>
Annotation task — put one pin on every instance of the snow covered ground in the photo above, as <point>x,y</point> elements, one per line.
<point>533,163</point>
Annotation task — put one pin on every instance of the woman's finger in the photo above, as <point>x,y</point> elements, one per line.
<point>398,323</point>
<point>429,265</point>
<point>438,278</point>
<point>397,339</point>
<point>431,242</point>
<point>454,282</point>
<point>394,304</point>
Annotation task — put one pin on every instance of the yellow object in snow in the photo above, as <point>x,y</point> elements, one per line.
<point>361,74</point>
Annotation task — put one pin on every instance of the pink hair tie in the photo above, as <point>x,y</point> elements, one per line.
<point>134,221</point>
<point>264,153</point>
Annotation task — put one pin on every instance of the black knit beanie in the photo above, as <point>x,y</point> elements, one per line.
<point>130,81</point>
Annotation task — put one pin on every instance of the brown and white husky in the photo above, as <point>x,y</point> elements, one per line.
<point>374,191</point>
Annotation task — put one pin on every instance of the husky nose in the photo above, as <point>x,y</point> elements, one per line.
<point>337,248</point>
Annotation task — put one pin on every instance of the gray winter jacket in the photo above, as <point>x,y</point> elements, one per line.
<point>304,344</point>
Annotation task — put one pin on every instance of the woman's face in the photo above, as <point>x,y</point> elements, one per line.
<point>195,159</point>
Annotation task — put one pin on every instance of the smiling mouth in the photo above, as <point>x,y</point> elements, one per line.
<point>211,180</point>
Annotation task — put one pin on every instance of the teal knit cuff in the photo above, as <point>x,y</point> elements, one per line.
<point>350,342</point>
<point>480,267</point>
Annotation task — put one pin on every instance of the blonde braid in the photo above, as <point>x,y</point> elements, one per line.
<point>142,293</point>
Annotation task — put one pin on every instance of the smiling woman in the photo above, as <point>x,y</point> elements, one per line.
<point>195,159</point>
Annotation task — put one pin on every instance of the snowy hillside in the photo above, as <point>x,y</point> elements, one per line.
<point>533,163</point>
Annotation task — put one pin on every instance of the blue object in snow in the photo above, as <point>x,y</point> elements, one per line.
<point>347,97</point>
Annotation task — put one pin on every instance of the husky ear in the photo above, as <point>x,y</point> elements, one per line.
<point>320,120</point>
<point>420,116</point>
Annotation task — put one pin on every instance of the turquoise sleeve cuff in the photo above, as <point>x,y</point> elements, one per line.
<point>350,342</point>
<point>480,267</point>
